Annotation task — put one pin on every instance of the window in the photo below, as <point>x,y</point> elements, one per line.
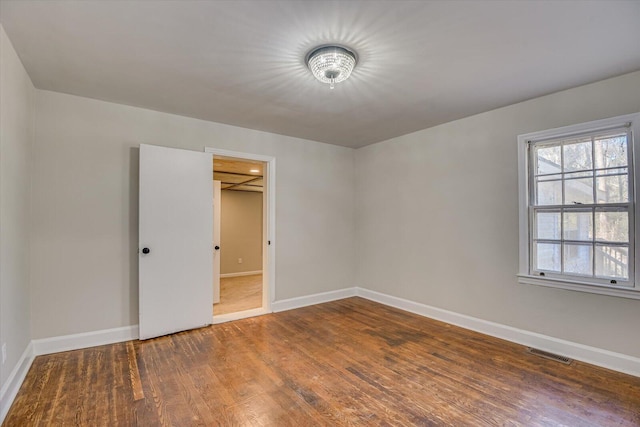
<point>577,207</point>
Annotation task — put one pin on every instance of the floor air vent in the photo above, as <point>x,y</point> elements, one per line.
<point>550,356</point>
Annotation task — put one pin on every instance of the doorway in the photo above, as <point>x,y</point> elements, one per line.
<point>243,260</point>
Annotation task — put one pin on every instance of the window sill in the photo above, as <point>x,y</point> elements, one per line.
<point>632,293</point>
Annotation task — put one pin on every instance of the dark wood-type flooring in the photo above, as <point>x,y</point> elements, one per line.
<point>349,362</point>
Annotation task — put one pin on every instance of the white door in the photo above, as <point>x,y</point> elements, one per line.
<point>175,236</point>
<point>217,203</point>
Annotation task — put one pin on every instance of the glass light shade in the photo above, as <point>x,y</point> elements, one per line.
<point>331,64</point>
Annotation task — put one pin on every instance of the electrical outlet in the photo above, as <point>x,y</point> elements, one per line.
<point>4,352</point>
<point>239,260</point>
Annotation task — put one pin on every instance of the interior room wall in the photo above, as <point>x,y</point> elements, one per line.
<point>16,136</point>
<point>437,213</point>
<point>240,232</point>
<point>85,204</point>
<point>438,220</point>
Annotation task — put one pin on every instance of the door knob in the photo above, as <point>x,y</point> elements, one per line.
<point>216,247</point>
<point>145,250</point>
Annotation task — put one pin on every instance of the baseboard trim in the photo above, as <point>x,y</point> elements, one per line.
<point>242,273</point>
<point>84,340</point>
<point>14,381</point>
<point>593,355</point>
<point>299,302</point>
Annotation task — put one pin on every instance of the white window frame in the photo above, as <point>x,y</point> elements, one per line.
<point>525,276</point>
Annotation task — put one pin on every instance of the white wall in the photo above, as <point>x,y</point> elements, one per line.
<point>436,213</point>
<point>16,135</point>
<point>240,231</point>
<point>438,220</point>
<point>85,192</point>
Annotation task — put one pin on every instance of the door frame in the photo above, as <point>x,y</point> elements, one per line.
<point>268,233</point>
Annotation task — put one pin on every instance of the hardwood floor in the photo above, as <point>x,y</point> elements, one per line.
<point>239,294</point>
<point>348,362</point>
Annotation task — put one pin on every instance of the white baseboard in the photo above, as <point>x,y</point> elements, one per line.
<point>242,273</point>
<point>290,304</point>
<point>14,381</point>
<point>84,340</point>
<point>593,355</point>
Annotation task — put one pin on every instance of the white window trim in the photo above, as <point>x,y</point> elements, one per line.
<point>571,283</point>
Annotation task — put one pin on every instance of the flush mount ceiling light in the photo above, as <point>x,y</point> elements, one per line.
<point>331,64</point>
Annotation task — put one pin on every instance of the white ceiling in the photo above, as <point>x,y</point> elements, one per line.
<point>422,63</point>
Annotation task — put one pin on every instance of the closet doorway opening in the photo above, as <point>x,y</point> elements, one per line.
<point>242,247</point>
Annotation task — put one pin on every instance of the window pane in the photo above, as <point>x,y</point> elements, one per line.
<point>612,261</point>
<point>578,191</point>
<point>616,171</point>
<point>547,159</point>
<point>612,189</point>
<point>578,259</point>
<point>582,174</point>
<point>578,225</point>
<point>548,256</point>
<point>549,193</point>
<point>548,225</point>
<point>611,151</point>
<point>554,177</point>
<point>577,155</point>
<point>612,226</point>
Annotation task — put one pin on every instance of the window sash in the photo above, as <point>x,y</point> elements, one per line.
<point>563,176</point>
